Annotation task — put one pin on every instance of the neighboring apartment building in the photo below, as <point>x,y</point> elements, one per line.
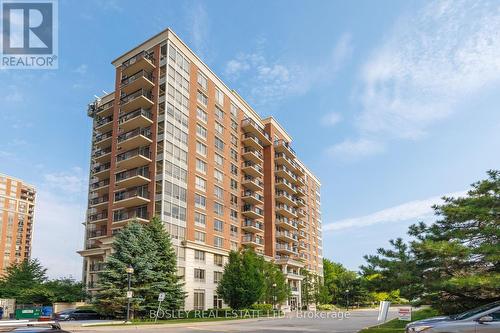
<point>173,140</point>
<point>17,206</point>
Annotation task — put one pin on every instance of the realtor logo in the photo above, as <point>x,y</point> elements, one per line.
<point>29,34</point>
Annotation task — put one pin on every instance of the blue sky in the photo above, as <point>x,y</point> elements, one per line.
<point>392,104</point>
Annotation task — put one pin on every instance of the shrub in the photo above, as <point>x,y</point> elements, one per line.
<point>262,307</point>
<point>325,307</point>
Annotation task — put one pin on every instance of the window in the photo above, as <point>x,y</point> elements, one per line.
<point>218,208</point>
<point>219,97</point>
<point>199,236</point>
<point>234,230</point>
<point>234,155</point>
<point>217,277</point>
<point>218,175</point>
<point>234,184</point>
<point>218,301</point>
<point>201,115</point>
<point>202,81</point>
<point>200,201</point>
<point>234,110</point>
<point>199,255</point>
<point>234,215</point>
<point>218,225</point>
<point>234,140</point>
<point>234,246</point>
<point>201,131</point>
<point>202,98</point>
<point>219,113</point>
<point>200,184</point>
<point>181,272</point>
<point>200,219</point>
<point>234,199</point>
<point>201,166</point>
<point>234,169</point>
<point>219,128</point>
<point>218,260</point>
<point>218,241</point>
<point>199,300</point>
<point>218,192</point>
<point>234,125</point>
<point>219,144</point>
<point>219,160</point>
<point>201,148</point>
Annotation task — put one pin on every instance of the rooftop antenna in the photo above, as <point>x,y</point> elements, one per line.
<point>105,93</point>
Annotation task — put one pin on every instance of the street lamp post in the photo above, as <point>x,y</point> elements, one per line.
<point>274,296</point>
<point>347,299</point>
<point>130,271</point>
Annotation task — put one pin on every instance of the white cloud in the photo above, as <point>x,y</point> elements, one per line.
<point>415,211</point>
<point>350,149</point>
<point>433,60</point>
<point>331,119</point>
<point>82,69</point>
<point>271,80</point>
<point>72,182</point>
<point>198,28</point>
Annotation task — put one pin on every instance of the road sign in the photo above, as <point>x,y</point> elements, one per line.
<point>404,313</point>
<point>161,297</point>
<point>130,294</point>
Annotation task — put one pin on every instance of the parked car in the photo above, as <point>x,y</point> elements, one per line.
<point>484,319</point>
<point>76,314</point>
<point>30,326</point>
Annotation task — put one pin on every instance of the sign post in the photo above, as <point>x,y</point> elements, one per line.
<point>383,310</point>
<point>161,298</point>
<point>404,313</point>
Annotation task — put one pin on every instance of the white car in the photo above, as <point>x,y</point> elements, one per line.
<point>484,319</point>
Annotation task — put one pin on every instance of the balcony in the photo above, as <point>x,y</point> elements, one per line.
<point>299,170</point>
<point>252,240</point>
<point>281,146</point>
<point>300,192</point>
<point>285,198</point>
<point>287,236</point>
<point>289,261</point>
<point>98,217</point>
<point>136,100</point>
<point>250,140</point>
<point>301,213</point>
<point>302,235</point>
<point>99,202</point>
<point>283,159</point>
<point>136,138</point>
<point>141,61</point>
<point>102,155</point>
<point>284,248</point>
<point>250,126</point>
<point>252,198</point>
<point>300,181</point>
<point>252,155</point>
<point>101,171</point>
<point>252,169</point>
<point>286,223</point>
<point>252,212</point>
<point>97,267</point>
<point>137,118</point>
<point>123,216</point>
<point>301,223</point>
<point>133,197</point>
<point>101,187</point>
<point>252,183</point>
<point>285,185</point>
<point>103,140</point>
<point>293,275</point>
<point>91,244</point>
<point>105,110</point>
<point>300,202</point>
<point>104,124</point>
<point>252,226</point>
<point>286,211</point>
<point>132,178</point>
<point>97,232</point>
<point>133,158</point>
<point>141,79</point>
<point>302,246</point>
<point>284,172</point>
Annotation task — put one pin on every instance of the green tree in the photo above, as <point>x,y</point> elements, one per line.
<point>275,284</point>
<point>65,290</point>
<point>24,282</point>
<point>459,254</point>
<point>242,282</point>
<point>393,270</point>
<point>148,250</point>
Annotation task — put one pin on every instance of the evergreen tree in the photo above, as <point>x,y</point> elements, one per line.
<point>24,282</point>
<point>242,282</point>
<point>148,251</point>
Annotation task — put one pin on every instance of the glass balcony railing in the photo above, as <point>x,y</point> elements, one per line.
<point>129,79</point>
<point>146,132</point>
<point>141,151</point>
<point>133,114</point>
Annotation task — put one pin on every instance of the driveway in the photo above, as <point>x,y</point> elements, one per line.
<point>296,322</point>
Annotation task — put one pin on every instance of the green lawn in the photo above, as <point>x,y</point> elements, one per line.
<point>397,326</point>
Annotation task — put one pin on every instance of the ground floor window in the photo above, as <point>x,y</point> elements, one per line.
<point>217,302</point>
<point>199,300</point>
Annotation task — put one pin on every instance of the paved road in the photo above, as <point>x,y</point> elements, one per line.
<point>301,322</point>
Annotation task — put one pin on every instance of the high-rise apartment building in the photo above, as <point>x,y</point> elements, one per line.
<point>174,141</point>
<point>17,207</point>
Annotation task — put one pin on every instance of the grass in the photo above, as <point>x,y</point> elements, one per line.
<point>398,326</point>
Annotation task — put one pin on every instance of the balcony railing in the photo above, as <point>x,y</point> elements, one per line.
<point>253,195</point>
<point>101,152</point>
<point>253,151</point>
<point>138,57</point>
<point>253,239</point>
<point>97,232</point>
<point>98,216</point>
<point>146,132</point>
<point>142,73</point>
<point>134,95</point>
<point>122,215</point>
<point>254,224</point>
<point>99,200</point>
<point>285,144</point>
<point>132,114</point>
<point>251,122</point>
<point>101,167</point>
<point>144,172</point>
<point>142,151</point>
<point>96,267</point>
<point>250,208</point>
<point>103,136</point>
<point>104,121</point>
<point>137,192</point>
<point>99,184</point>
